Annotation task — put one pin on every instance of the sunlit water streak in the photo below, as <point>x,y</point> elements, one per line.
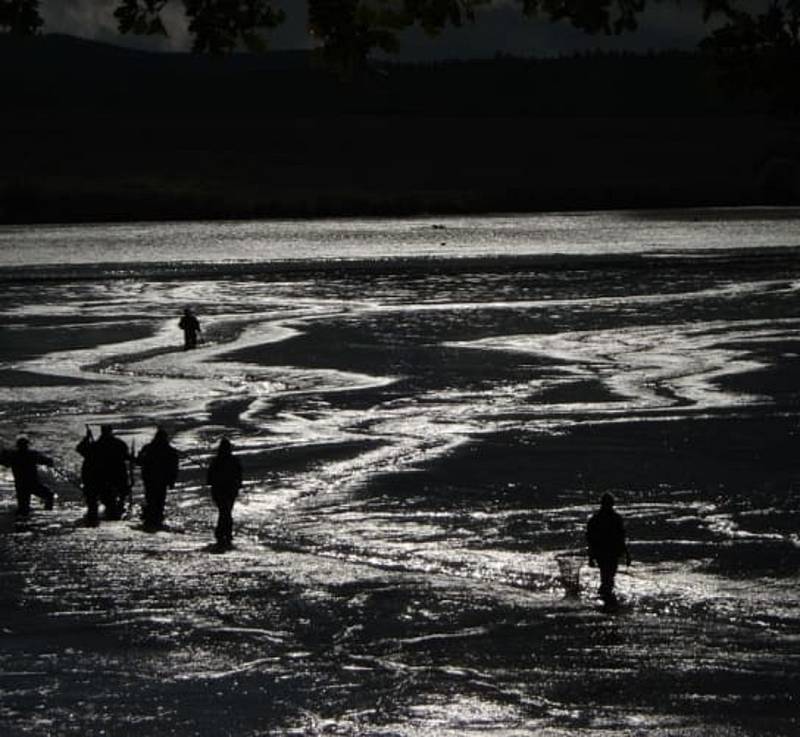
<point>547,233</point>
<point>400,429</point>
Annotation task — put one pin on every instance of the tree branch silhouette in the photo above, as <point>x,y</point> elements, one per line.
<point>20,17</point>
<point>759,50</point>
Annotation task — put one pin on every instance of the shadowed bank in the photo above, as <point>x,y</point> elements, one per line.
<point>101,133</point>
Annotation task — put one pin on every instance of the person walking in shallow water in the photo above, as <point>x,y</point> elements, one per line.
<point>159,464</point>
<point>90,477</point>
<point>225,478</point>
<point>108,458</point>
<point>24,463</point>
<point>605,535</point>
<point>191,328</point>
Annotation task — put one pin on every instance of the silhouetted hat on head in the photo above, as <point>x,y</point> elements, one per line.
<point>607,500</point>
<point>225,447</point>
<point>23,443</point>
<point>106,430</point>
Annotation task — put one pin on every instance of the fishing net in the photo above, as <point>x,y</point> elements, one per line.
<point>569,571</point>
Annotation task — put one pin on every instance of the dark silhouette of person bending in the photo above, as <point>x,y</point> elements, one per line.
<point>191,328</point>
<point>159,464</point>
<point>225,479</point>
<point>24,463</point>
<point>605,534</point>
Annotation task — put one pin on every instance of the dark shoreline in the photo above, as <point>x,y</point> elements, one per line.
<point>756,260</point>
<point>47,201</point>
<point>99,134</point>
<point>55,208</point>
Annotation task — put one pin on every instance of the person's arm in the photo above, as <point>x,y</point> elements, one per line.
<point>238,476</point>
<point>42,460</point>
<point>624,539</point>
<point>173,469</point>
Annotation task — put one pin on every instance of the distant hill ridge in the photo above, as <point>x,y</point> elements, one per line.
<point>95,132</point>
<point>58,47</point>
<point>51,69</point>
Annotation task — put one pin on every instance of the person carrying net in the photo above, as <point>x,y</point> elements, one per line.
<point>606,539</point>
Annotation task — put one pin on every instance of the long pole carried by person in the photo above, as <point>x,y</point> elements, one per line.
<point>131,476</point>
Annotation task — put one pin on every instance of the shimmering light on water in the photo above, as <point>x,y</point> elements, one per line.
<point>386,238</point>
<point>422,440</point>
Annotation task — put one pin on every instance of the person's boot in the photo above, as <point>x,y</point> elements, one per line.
<point>114,511</point>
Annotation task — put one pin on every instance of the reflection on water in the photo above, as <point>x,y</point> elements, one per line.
<point>421,443</point>
<point>544,234</point>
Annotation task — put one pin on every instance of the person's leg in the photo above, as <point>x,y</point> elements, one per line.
<point>45,494</point>
<point>105,496</point>
<point>159,501</point>
<point>224,529</point>
<point>23,501</point>
<point>114,501</point>
<point>228,524</point>
<point>218,529</point>
<point>608,572</point>
<point>91,504</point>
<point>147,508</point>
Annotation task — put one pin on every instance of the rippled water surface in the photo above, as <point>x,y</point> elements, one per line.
<point>427,412</point>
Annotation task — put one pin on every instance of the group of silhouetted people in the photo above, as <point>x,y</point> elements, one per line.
<point>107,478</point>
<point>107,474</point>
<point>107,471</point>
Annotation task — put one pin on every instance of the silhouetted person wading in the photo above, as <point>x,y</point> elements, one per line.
<point>108,460</point>
<point>159,463</point>
<point>90,475</point>
<point>605,534</point>
<point>225,478</point>
<point>24,463</point>
<point>191,328</point>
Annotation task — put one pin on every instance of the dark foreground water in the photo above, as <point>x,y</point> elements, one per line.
<point>422,438</point>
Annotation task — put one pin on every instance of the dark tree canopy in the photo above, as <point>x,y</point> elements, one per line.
<point>761,51</point>
<point>217,26</point>
<point>352,28</point>
<point>20,17</point>
<point>758,45</point>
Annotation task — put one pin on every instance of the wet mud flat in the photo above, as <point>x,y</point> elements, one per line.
<point>112,630</point>
<point>419,450</point>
